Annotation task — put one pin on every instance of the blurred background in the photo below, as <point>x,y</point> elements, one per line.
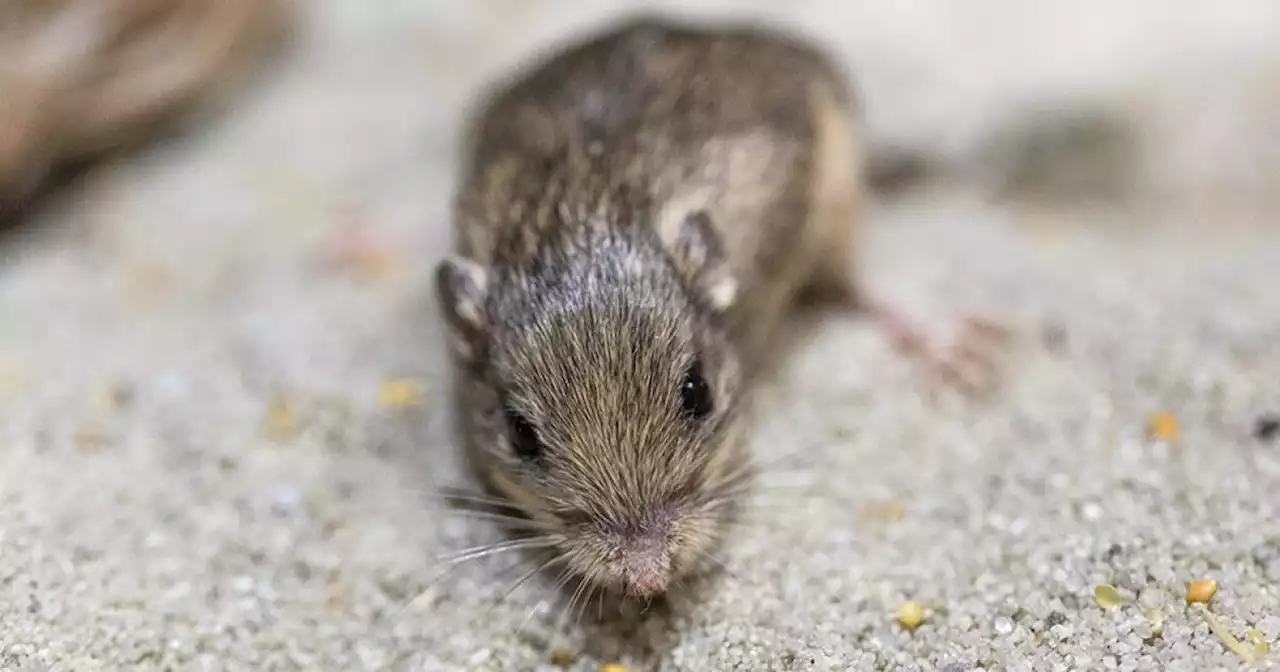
<point>218,223</point>
<point>1171,102</point>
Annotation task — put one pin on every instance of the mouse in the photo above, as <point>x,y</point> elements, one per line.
<point>635,216</point>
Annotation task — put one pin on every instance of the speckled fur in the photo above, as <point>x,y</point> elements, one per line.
<point>580,291</point>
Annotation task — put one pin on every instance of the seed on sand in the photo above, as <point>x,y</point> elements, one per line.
<point>400,393</point>
<point>1107,596</point>
<point>1201,591</point>
<point>1258,640</point>
<point>910,615</point>
<point>887,511</point>
<point>613,667</point>
<point>1247,653</point>
<point>1163,427</point>
<point>282,419</point>
<point>1156,617</point>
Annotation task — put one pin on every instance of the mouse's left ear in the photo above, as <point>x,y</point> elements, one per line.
<point>699,255</point>
<point>461,286</point>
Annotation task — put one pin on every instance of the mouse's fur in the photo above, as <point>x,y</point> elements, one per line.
<point>650,198</point>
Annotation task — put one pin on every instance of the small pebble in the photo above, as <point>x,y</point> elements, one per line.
<point>1107,596</point>
<point>562,657</point>
<point>1201,591</point>
<point>284,499</point>
<point>1267,427</point>
<point>613,667</point>
<point>1152,598</point>
<point>910,615</point>
<point>171,387</point>
<point>112,396</point>
<point>1004,625</point>
<point>1091,511</point>
<point>1270,626</point>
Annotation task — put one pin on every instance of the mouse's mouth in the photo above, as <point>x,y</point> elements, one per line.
<point>645,574</point>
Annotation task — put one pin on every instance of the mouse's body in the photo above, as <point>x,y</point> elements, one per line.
<point>635,216</point>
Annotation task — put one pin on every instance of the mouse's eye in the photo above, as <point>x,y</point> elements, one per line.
<point>523,436</point>
<point>695,394</point>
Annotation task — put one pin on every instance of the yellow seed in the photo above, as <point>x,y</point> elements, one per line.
<point>613,667</point>
<point>910,615</point>
<point>1258,640</point>
<point>1163,427</point>
<point>888,511</point>
<point>1107,596</point>
<point>282,419</point>
<point>1201,591</point>
<point>1157,621</point>
<point>400,393</point>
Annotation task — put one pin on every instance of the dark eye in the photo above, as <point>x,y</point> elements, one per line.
<point>523,436</point>
<point>695,394</point>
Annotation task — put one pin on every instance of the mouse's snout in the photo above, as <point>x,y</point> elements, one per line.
<point>641,554</point>
<point>644,560</point>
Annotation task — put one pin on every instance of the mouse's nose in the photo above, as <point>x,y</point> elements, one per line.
<point>645,561</point>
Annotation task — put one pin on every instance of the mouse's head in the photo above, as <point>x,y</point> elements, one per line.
<point>601,395</point>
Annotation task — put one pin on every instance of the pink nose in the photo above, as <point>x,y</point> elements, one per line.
<point>645,563</point>
<point>647,574</point>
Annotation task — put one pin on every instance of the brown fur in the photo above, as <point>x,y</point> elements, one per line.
<point>79,78</point>
<point>585,281</point>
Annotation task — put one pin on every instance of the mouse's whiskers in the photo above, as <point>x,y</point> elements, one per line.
<point>485,550</point>
<point>554,560</point>
<point>583,583</point>
<point>451,493</point>
<point>515,522</point>
<point>452,563</point>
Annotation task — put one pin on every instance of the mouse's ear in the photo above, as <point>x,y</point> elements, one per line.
<point>460,289</point>
<point>700,256</point>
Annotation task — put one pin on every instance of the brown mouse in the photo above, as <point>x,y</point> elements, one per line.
<point>636,215</point>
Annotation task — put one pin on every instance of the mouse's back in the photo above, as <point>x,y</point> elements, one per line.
<point>725,119</point>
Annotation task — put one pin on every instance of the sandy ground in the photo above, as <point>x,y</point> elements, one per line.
<point>198,470</point>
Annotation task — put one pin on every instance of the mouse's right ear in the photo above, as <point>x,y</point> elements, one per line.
<point>460,289</point>
<point>700,256</point>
